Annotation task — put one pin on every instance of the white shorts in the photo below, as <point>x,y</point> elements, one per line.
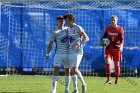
<point>68,60</point>
<point>60,59</point>
<point>76,59</point>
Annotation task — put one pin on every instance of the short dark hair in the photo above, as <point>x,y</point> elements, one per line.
<point>60,18</point>
<point>70,16</point>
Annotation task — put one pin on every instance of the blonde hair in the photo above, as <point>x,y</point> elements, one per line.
<point>114,16</point>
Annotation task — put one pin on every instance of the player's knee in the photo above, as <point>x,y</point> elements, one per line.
<point>75,70</point>
<point>107,60</point>
<point>56,70</point>
<point>67,72</point>
<point>117,63</point>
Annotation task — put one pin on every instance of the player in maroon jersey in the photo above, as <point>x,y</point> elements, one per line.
<point>113,51</point>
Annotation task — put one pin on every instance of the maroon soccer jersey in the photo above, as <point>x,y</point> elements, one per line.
<point>115,35</point>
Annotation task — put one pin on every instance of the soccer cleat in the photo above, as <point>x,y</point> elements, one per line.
<point>75,91</point>
<point>53,91</point>
<point>108,82</point>
<point>67,91</point>
<point>84,88</point>
<point>116,82</point>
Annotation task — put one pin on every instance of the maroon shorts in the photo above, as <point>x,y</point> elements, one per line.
<point>115,55</point>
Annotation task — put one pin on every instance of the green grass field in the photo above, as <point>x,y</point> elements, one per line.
<point>42,84</point>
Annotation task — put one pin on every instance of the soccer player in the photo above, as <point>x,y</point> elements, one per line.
<point>77,37</point>
<point>59,37</point>
<point>113,51</point>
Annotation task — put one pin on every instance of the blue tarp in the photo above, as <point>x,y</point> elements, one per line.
<point>28,32</point>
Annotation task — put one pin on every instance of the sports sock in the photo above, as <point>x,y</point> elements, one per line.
<point>54,82</point>
<point>108,72</point>
<point>81,77</point>
<point>117,71</point>
<point>67,81</point>
<point>108,77</point>
<point>74,80</point>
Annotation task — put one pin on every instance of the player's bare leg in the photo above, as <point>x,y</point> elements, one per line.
<point>117,71</point>
<point>67,80</point>
<point>78,73</point>
<point>108,70</point>
<point>74,80</point>
<point>55,78</point>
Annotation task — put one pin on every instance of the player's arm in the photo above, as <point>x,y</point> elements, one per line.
<point>104,36</point>
<point>121,39</point>
<point>49,49</point>
<point>50,46</point>
<point>86,38</point>
<point>122,36</point>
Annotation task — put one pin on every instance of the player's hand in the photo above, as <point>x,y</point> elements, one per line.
<point>118,46</point>
<point>102,44</point>
<point>75,46</point>
<point>121,48</point>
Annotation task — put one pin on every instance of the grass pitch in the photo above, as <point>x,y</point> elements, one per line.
<point>43,84</point>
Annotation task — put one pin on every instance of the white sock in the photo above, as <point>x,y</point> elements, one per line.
<point>67,81</point>
<point>81,77</point>
<point>74,80</point>
<point>54,82</point>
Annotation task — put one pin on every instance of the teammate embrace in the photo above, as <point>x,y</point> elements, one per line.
<point>69,51</point>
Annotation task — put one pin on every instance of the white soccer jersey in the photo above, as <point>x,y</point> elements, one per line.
<point>66,38</point>
<point>74,37</point>
<point>57,36</point>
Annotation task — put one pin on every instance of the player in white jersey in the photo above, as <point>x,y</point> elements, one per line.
<point>77,37</point>
<point>60,38</point>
